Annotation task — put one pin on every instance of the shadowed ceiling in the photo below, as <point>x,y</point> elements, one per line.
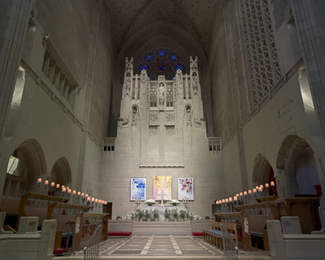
<point>193,19</point>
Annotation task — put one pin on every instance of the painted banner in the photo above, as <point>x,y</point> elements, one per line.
<point>185,188</point>
<point>162,183</point>
<point>138,188</point>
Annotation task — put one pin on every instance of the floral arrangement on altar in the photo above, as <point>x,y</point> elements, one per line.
<point>150,202</point>
<point>174,202</point>
<point>183,214</point>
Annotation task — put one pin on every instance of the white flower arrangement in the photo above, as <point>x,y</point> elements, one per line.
<point>197,217</point>
<point>174,202</point>
<point>150,202</point>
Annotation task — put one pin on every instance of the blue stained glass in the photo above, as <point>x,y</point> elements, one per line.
<point>161,53</point>
<point>143,67</point>
<point>161,61</point>
<point>180,67</point>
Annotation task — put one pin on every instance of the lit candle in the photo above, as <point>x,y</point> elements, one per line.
<point>74,192</point>
<point>266,185</point>
<point>58,186</point>
<point>39,181</point>
<point>92,199</point>
<point>69,190</point>
<point>249,192</point>
<point>235,198</point>
<point>273,184</point>
<point>82,194</point>
<point>261,186</point>
<point>86,195</point>
<point>230,199</point>
<point>52,184</point>
<point>88,198</point>
<point>254,190</point>
<point>46,184</point>
<point>245,193</point>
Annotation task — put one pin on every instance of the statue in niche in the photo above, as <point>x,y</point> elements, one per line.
<point>122,122</point>
<point>188,115</point>
<point>143,76</point>
<point>179,80</point>
<point>161,94</point>
<point>195,84</point>
<point>128,86</point>
<point>134,115</point>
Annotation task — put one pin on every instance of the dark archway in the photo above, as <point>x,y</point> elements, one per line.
<point>292,156</point>
<point>61,172</point>
<point>25,166</point>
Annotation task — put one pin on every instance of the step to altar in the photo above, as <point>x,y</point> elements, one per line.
<point>162,228</point>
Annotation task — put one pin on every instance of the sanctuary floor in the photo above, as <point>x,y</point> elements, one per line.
<point>163,247</point>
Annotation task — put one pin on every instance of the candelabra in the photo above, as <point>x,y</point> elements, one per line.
<point>185,201</point>
<point>57,188</point>
<point>39,181</point>
<point>267,189</point>
<point>46,184</point>
<point>273,184</point>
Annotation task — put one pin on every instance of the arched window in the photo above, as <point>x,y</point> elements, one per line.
<point>161,61</point>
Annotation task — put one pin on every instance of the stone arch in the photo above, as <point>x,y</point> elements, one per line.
<point>31,154</point>
<point>286,163</point>
<point>61,172</point>
<point>261,171</point>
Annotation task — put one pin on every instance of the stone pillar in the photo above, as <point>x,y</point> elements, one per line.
<point>309,19</point>
<point>13,30</point>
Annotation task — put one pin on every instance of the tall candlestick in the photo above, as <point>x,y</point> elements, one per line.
<point>46,184</point>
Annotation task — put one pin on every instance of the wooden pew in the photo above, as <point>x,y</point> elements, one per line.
<point>306,208</point>
<point>214,236</point>
<point>64,213</point>
<point>85,225</point>
<point>35,204</point>
<point>243,228</point>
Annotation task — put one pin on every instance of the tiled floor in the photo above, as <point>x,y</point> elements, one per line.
<point>162,245</point>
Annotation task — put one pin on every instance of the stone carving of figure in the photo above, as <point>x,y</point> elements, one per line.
<point>153,130</point>
<point>143,76</point>
<point>128,86</point>
<point>169,130</point>
<point>161,93</point>
<point>169,117</point>
<point>122,122</point>
<point>199,122</point>
<point>153,117</point>
<point>195,84</point>
<point>134,115</point>
<point>188,115</point>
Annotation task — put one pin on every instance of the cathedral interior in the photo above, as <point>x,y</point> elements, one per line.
<point>224,95</point>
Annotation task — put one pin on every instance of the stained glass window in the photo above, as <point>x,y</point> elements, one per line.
<point>161,61</point>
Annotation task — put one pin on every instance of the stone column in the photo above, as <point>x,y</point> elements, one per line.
<point>14,24</point>
<point>309,20</point>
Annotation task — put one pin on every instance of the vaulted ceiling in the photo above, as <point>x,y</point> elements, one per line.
<point>135,22</point>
